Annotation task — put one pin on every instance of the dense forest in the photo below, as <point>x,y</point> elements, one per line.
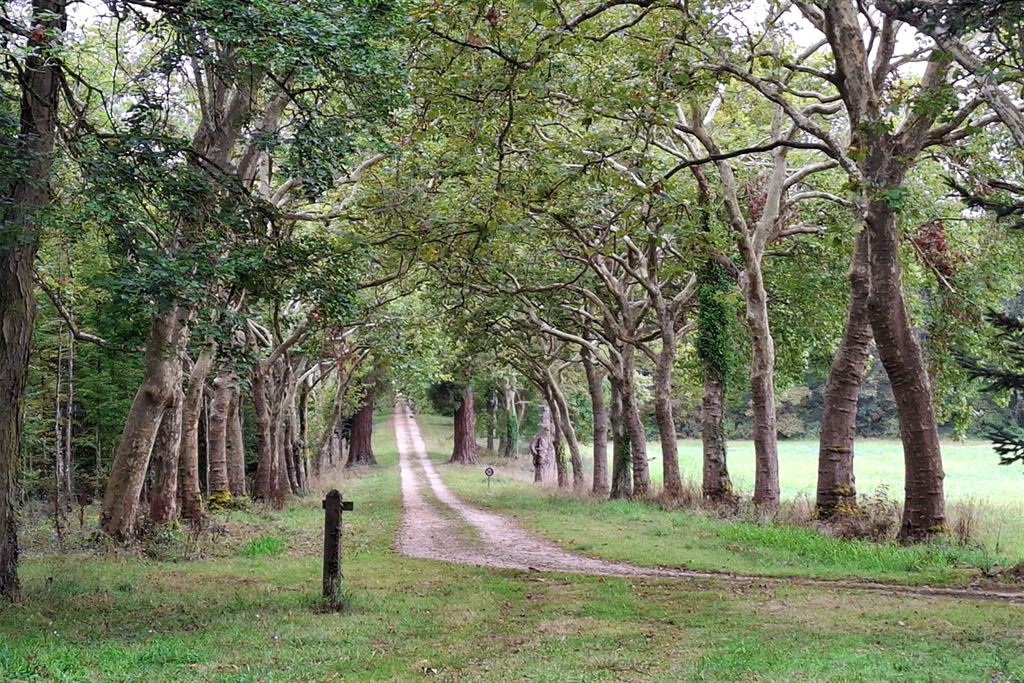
<point>232,231</point>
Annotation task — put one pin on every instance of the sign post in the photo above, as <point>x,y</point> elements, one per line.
<point>490,473</point>
<point>333,507</point>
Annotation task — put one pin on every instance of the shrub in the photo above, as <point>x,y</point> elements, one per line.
<point>875,518</point>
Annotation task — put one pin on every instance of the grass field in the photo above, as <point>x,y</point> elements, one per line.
<point>972,468</point>
<point>248,612</point>
<point>698,541</point>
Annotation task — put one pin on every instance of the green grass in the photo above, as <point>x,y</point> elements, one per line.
<point>974,478</point>
<point>972,468</point>
<point>264,546</point>
<point>112,617</point>
<point>643,533</point>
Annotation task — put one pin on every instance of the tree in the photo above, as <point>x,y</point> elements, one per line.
<point>26,177</point>
<point>836,489</point>
<point>360,449</point>
<point>714,347</point>
<point>1007,437</point>
<point>273,129</point>
<point>464,448</point>
<point>885,158</point>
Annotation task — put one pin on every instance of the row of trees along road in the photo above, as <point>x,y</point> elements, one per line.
<point>247,222</point>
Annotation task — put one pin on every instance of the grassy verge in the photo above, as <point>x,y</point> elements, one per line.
<point>249,614</point>
<point>645,534</point>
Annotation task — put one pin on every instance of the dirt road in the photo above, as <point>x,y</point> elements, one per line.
<point>437,525</point>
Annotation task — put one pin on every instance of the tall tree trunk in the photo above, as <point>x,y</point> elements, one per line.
<point>716,483</point>
<point>131,459</point>
<point>191,412</point>
<point>360,444</point>
<point>569,434</point>
<point>622,475</point>
<point>27,194</point>
<point>884,159</point>
<point>509,444</point>
<point>287,431</point>
<point>464,450</point>
<point>69,427</point>
<point>672,481</point>
<point>595,386</point>
<point>836,484</point>
<point>762,389</point>
<point>558,430</point>
<point>163,501</point>
<point>492,418</point>
<point>542,444</point>
<point>326,444</point>
<point>236,443</point>
<point>59,499</point>
<point>634,425</point>
<point>265,482</point>
<point>220,417</point>
<point>562,476</point>
<point>924,512</point>
<point>283,485</point>
<point>282,405</point>
<point>300,438</point>
<point>713,348</point>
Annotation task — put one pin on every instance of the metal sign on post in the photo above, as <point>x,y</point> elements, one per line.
<point>333,507</point>
<point>490,473</point>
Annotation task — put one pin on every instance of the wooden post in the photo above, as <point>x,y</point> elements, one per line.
<point>333,507</point>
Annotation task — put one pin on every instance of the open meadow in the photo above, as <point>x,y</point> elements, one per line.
<point>982,494</point>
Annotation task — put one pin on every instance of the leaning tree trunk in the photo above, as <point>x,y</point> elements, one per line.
<point>163,499</point>
<point>836,485</point>
<point>220,417</point>
<point>464,450</point>
<point>131,459</point>
<point>236,444</point>
<point>19,241</point>
<point>360,443</point>
<point>188,461</point>
<point>884,160</point>
<point>558,442</point>
<point>672,481</point>
<point>595,386</point>
<point>569,434</point>
<point>762,389</point>
<point>924,512</point>
<point>622,479</point>
<point>634,425</point>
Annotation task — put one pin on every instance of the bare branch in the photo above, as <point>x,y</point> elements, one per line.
<point>66,313</point>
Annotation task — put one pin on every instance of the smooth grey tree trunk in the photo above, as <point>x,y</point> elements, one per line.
<point>595,386</point>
